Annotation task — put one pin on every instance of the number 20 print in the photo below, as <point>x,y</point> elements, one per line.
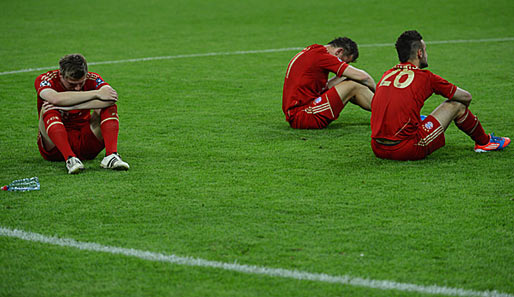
<point>396,83</point>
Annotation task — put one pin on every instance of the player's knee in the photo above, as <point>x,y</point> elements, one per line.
<point>458,107</point>
<point>111,108</point>
<point>358,89</point>
<point>50,118</point>
<point>50,114</point>
<point>109,112</point>
<point>43,111</point>
<point>461,108</point>
<point>347,89</point>
<point>353,85</point>
<point>346,85</point>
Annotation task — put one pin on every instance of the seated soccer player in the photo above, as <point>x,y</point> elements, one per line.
<point>68,129</point>
<point>397,131</point>
<point>309,99</point>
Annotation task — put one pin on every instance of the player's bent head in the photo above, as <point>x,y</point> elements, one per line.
<point>73,66</point>
<point>408,44</point>
<point>349,47</point>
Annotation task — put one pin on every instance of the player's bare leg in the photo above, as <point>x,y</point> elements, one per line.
<point>356,93</point>
<point>94,124</point>
<point>47,142</point>
<point>447,112</point>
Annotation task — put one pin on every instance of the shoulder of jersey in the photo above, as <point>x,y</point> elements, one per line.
<point>92,75</point>
<point>50,75</point>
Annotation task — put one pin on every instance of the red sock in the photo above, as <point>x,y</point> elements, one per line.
<point>470,125</point>
<point>110,127</point>
<point>57,132</point>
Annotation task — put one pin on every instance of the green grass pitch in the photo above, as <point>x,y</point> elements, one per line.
<point>217,174</point>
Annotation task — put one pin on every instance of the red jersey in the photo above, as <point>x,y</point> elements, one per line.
<point>307,77</point>
<point>400,95</point>
<point>50,80</point>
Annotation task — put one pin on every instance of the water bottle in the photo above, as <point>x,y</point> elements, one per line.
<point>22,185</point>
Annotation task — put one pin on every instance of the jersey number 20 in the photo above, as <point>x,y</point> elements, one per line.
<point>410,77</point>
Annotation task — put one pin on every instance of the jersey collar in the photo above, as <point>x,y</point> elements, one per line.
<point>406,65</point>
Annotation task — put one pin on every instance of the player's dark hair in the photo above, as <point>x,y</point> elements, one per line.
<point>73,66</point>
<point>408,44</point>
<point>349,46</point>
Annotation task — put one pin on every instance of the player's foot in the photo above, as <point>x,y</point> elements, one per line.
<point>113,161</point>
<point>74,165</point>
<point>495,144</point>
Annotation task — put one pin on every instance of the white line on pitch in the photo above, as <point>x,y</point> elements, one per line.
<point>248,52</point>
<point>249,269</point>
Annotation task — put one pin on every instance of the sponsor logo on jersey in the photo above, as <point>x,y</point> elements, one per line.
<point>99,81</point>
<point>317,100</point>
<point>429,125</point>
<point>45,83</point>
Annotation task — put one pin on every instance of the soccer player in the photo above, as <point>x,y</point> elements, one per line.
<point>397,131</point>
<point>68,130</point>
<point>309,99</point>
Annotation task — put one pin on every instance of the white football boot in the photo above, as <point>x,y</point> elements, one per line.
<point>113,161</point>
<point>74,165</point>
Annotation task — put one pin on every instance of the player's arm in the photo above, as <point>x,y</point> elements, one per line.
<point>92,104</point>
<point>360,76</point>
<point>462,96</point>
<point>74,98</point>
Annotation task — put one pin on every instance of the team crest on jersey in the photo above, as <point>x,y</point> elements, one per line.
<point>45,83</point>
<point>317,100</point>
<point>99,81</point>
<point>429,125</point>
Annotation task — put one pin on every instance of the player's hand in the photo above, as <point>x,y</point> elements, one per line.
<point>107,93</point>
<point>49,106</point>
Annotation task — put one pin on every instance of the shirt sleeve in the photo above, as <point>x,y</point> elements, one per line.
<point>95,81</point>
<point>42,83</point>
<point>333,64</point>
<point>442,87</point>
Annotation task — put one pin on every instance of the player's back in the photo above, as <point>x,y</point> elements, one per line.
<point>305,79</point>
<point>307,76</point>
<point>399,97</point>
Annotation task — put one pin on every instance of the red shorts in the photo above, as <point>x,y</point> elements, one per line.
<point>82,141</point>
<point>428,138</point>
<point>319,113</point>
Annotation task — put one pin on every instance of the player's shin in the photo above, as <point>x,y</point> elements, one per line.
<point>470,125</point>
<point>57,132</point>
<point>109,124</point>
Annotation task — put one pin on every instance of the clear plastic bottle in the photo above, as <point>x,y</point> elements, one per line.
<point>22,185</point>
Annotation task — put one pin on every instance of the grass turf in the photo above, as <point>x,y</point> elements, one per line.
<point>217,173</point>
